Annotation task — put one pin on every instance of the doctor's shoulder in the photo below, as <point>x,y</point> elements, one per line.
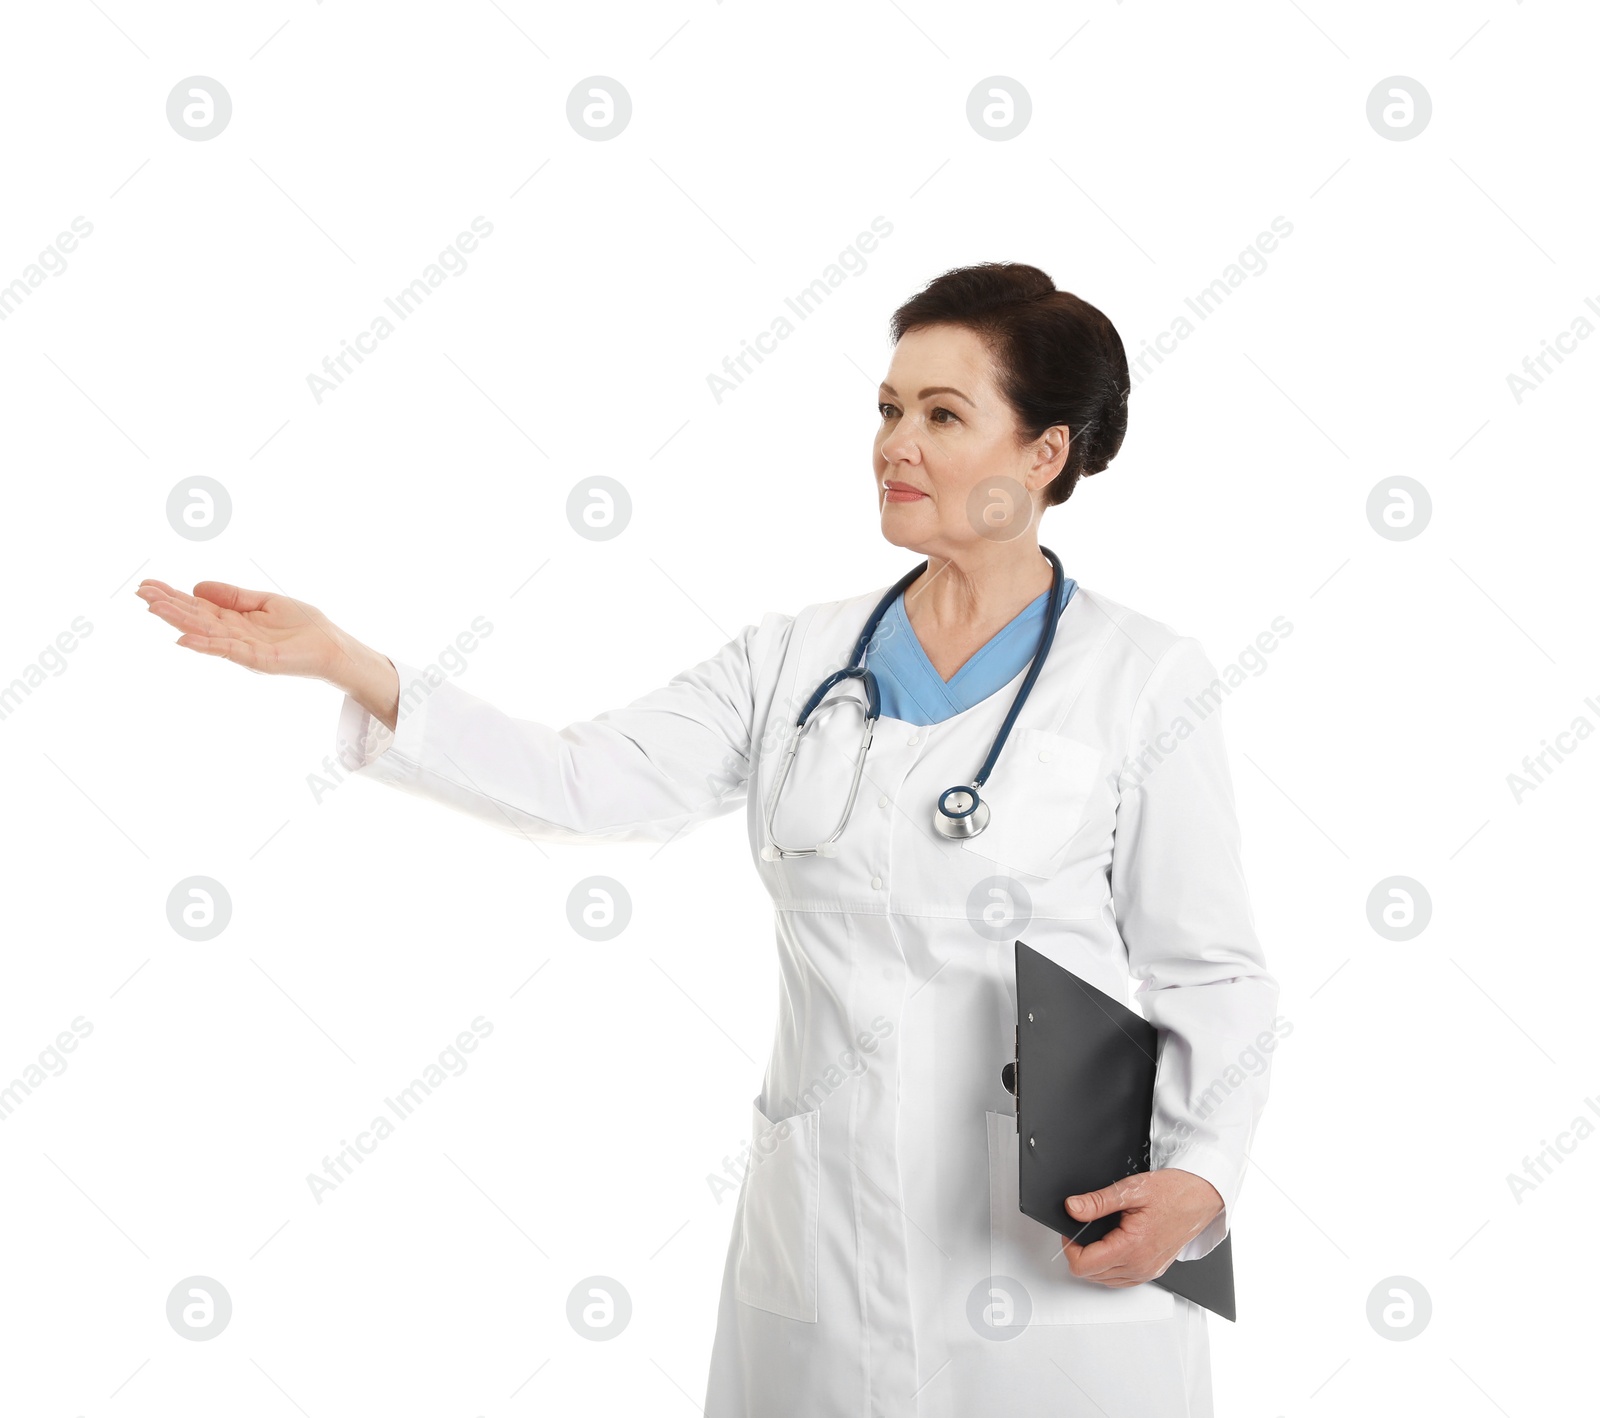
<point>830,629</point>
<point>772,648</point>
<point>1146,658</point>
<point>787,649</point>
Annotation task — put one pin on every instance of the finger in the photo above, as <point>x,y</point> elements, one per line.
<point>153,590</point>
<point>186,612</point>
<point>1105,1254</point>
<point>181,617</point>
<point>150,593</point>
<point>230,597</point>
<point>1119,1276</point>
<point>1119,1281</point>
<point>1133,1269</point>
<point>1089,1206</point>
<point>1136,1260</point>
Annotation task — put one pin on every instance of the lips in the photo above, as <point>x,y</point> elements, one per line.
<point>901,492</point>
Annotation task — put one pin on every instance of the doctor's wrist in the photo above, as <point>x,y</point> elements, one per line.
<point>1199,1194</point>
<point>370,678</point>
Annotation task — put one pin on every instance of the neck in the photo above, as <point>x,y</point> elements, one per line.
<point>987,586</point>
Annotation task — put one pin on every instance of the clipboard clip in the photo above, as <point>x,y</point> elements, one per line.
<point>1010,1075</point>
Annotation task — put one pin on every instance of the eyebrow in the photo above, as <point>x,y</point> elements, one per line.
<point>936,389</point>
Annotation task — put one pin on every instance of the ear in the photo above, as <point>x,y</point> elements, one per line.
<point>1050,457</point>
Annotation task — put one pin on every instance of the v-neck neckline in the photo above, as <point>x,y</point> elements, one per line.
<point>977,655</point>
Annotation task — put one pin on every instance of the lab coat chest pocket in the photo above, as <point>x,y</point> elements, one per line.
<point>1039,795</point>
<point>776,1264</point>
<point>1029,1252</point>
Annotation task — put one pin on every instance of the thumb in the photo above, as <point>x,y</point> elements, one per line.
<point>1090,1206</point>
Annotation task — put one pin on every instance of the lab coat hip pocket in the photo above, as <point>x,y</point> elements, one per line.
<point>776,1265</point>
<point>1029,1253</point>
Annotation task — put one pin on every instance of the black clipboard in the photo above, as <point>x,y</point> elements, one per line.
<point>1084,1078</point>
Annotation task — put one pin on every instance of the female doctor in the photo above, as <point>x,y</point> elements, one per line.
<point>879,1264</point>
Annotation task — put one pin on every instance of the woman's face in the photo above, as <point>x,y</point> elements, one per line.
<point>950,474</point>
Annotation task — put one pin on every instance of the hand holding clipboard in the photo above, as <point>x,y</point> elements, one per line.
<point>1084,1079</point>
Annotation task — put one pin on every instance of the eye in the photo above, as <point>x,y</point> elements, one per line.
<point>942,410</point>
<point>886,410</point>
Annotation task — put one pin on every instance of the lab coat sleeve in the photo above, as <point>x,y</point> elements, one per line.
<point>671,759</point>
<point>1178,890</point>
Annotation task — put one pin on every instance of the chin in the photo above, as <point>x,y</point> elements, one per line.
<point>902,531</point>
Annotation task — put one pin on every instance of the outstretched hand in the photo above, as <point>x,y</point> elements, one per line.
<point>1162,1212</point>
<point>272,634</point>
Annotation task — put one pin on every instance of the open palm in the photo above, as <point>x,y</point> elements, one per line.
<point>273,634</point>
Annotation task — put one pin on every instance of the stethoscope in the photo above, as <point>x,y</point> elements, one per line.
<point>961,812</point>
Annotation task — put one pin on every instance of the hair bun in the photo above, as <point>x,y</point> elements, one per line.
<point>1109,427</point>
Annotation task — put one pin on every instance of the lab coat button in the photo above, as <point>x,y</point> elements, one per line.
<point>915,738</point>
<point>883,800</point>
<point>1044,755</point>
<point>877,883</point>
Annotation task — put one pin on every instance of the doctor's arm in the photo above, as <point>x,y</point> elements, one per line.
<point>1182,908</point>
<point>670,759</point>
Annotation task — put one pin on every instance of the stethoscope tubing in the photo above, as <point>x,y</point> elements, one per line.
<point>953,821</point>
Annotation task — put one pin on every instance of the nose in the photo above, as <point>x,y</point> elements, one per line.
<point>899,447</point>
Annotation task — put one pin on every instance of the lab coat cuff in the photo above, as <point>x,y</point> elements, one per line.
<point>366,743</point>
<point>1224,1173</point>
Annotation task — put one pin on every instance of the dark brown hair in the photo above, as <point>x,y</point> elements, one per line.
<point>1060,360</point>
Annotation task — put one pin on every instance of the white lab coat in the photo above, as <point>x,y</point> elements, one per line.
<point>882,1187</point>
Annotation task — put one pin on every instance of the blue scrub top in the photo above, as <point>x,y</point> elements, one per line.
<point>909,687</point>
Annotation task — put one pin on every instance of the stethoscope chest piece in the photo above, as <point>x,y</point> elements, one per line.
<point>961,813</point>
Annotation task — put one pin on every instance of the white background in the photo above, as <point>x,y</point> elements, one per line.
<point>369,928</point>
